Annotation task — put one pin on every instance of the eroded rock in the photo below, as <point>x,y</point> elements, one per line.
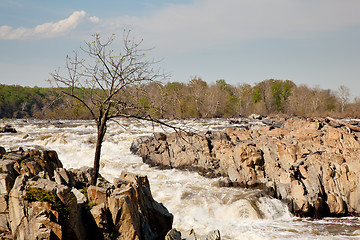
<point>41,200</point>
<point>311,164</point>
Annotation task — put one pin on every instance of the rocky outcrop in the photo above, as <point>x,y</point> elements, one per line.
<point>128,209</point>
<point>311,164</point>
<point>41,200</point>
<point>14,164</point>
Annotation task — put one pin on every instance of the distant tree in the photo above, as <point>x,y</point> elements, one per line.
<point>281,91</point>
<point>262,97</point>
<point>174,93</point>
<point>198,93</point>
<point>157,99</point>
<point>298,103</point>
<point>343,94</point>
<point>244,94</point>
<point>106,83</point>
<point>354,108</point>
<point>227,102</point>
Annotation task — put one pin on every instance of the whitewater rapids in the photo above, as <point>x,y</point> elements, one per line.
<point>196,202</point>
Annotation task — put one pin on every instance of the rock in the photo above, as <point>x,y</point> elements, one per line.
<point>99,212</point>
<point>311,164</point>
<point>80,197</point>
<point>133,195</point>
<point>173,234</point>
<point>82,177</point>
<point>255,116</point>
<point>41,200</point>
<point>96,195</point>
<point>136,144</point>
<point>2,150</point>
<point>12,164</point>
<point>62,176</point>
<point>128,211</point>
<point>8,129</point>
<point>39,208</point>
<point>212,235</point>
<point>6,182</point>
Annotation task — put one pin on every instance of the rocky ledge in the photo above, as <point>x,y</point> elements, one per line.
<point>311,164</point>
<point>39,199</point>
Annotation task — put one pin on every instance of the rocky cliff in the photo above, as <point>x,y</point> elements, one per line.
<point>41,200</point>
<point>311,164</point>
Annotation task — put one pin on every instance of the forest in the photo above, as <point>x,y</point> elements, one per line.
<point>194,99</point>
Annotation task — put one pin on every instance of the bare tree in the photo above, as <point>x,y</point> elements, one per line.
<point>343,95</point>
<point>106,83</point>
<point>197,90</point>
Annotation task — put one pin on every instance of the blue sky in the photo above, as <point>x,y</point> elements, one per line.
<point>315,42</point>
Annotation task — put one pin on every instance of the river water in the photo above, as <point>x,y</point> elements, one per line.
<point>196,202</point>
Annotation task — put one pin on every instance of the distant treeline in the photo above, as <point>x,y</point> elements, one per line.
<point>195,99</point>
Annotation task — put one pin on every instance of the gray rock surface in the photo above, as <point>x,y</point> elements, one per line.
<point>311,164</point>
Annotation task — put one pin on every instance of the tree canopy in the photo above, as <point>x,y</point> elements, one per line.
<point>194,99</point>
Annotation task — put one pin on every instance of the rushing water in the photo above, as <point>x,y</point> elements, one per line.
<point>197,203</point>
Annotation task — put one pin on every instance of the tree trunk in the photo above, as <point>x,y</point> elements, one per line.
<point>100,138</point>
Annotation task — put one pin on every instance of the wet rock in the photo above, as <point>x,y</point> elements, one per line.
<point>255,116</point>
<point>212,235</point>
<point>136,144</point>
<point>8,129</point>
<point>173,234</point>
<point>2,150</point>
<point>311,164</point>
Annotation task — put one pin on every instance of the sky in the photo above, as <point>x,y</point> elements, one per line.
<point>311,42</point>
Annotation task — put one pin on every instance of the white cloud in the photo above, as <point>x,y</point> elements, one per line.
<point>94,19</point>
<point>47,30</point>
<point>207,23</point>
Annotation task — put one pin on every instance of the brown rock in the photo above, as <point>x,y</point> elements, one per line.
<point>96,195</point>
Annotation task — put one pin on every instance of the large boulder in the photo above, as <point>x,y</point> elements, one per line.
<point>40,208</point>
<point>128,210</point>
<point>311,164</point>
<point>16,163</point>
<point>41,200</point>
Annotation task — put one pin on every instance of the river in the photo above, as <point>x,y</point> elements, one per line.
<point>196,202</point>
